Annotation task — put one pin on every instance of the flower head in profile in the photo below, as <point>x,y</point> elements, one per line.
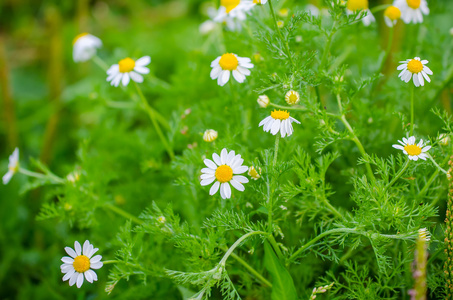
<point>411,149</point>
<point>210,135</point>
<point>391,15</point>
<point>279,120</point>
<point>79,264</point>
<point>127,69</point>
<point>412,11</point>
<point>224,170</point>
<point>292,97</point>
<point>415,69</point>
<point>254,173</point>
<point>352,6</point>
<point>84,47</point>
<point>13,166</point>
<point>223,65</point>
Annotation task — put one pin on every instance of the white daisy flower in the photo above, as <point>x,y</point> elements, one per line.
<point>128,69</point>
<point>292,97</point>
<point>412,11</point>
<point>207,27</point>
<point>279,120</point>
<point>223,170</point>
<point>416,68</point>
<point>223,65</point>
<point>13,166</point>
<point>210,135</point>
<point>80,264</point>
<point>412,150</point>
<point>391,15</point>
<point>85,46</point>
<point>354,5</point>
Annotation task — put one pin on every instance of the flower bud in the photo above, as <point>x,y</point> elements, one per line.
<point>210,135</point>
<point>292,97</point>
<point>263,101</point>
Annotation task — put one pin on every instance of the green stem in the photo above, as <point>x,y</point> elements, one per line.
<point>430,181</point>
<point>123,213</point>
<point>274,244</point>
<point>379,8</point>
<point>32,174</point>
<point>296,107</point>
<point>152,116</point>
<point>284,41</point>
<point>277,140</point>
<point>399,174</point>
<point>327,47</point>
<point>332,209</point>
<point>237,243</point>
<point>251,270</point>
<point>97,60</point>
<point>356,140</point>
<point>347,230</point>
<point>438,167</point>
<point>412,110</point>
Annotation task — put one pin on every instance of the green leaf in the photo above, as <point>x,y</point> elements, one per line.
<point>282,283</point>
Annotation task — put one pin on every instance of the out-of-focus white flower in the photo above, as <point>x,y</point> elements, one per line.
<point>444,139</point>
<point>423,234</point>
<point>412,11</point>
<point>207,27</point>
<point>80,264</point>
<point>415,69</point>
<point>263,101</point>
<point>353,6</point>
<point>128,69</point>
<point>210,135</point>
<point>391,15</point>
<point>279,120</point>
<point>84,47</point>
<point>223,65</point>
<point>13,166</point>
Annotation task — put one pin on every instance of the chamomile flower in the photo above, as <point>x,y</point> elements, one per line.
<point>223,65</point>
<point>391,15</point>
<point>415,69</point>
<point>412,150</point>
<point>224,170</point>
<point>13,166</point>
<point>292,97</point>
<point>279,120</point>
<point>80,264</point>
<point>262,2</point>
<point>263,101</point>
<point>127,69</point>
<point>412,11</point>
<point>357,5</point>
<point>85,46</point>
<point>254,173</point>
<point>210,135</point>
<point>233,9</point>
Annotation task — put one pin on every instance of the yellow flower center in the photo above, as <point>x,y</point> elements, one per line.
<point>413,3</point>
<point>224,173</point>
<point>415,66</point>
<point>354,5</point>
<point>257,1</point>
<point>393,13</point>
<point>280,114</point>
<point>126,65</point>
<point>228,62</point>
<point>78,37</point>
<point>229,4</point>
<point>413,150</point>
<point>14,169</point>
<point>81,264</point>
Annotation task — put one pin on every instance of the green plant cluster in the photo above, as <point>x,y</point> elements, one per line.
<point>337,210</point>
